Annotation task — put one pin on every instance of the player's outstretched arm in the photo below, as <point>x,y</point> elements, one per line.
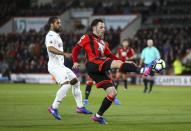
<point>58,52</point>
<point>75,52</point>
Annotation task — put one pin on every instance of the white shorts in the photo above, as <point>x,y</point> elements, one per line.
<point>61,73</point>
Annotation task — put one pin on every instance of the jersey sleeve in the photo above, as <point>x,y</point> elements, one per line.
<point>132,52</point>
<point>109,54</point>
<point>118,52</point>
<point>83,40</point>
<point>75,52</point>
<point>49,41</point>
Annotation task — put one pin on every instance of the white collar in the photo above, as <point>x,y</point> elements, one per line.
<point>53,32</point>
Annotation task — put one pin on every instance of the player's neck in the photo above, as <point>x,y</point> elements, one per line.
<point>96,35</point>
<point>53,30</point>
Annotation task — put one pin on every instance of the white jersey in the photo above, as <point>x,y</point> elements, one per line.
<point>56,62</point>
<point>53,39</point>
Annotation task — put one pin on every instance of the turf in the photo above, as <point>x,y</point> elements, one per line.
<point>24,107</point>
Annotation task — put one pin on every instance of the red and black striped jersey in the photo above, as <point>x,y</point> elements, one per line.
<point>125,53</point>
<point>96,49</point>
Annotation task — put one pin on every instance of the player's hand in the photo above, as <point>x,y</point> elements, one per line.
<point>75,65</point>
<point>67,55</point>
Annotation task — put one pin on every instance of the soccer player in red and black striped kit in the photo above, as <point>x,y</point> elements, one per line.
<point>88,88</point>
<point>99,60</point>
<point>125,53</point>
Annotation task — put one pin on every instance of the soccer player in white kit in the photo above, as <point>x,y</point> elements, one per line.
<point>63,75</point>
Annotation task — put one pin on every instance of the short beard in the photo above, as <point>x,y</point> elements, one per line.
<point>58,30</point>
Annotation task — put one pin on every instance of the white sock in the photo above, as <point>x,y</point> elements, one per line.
<point>77,94</point>
<point>61,93</point>
<point>97,115</point>
<point>142,70</point>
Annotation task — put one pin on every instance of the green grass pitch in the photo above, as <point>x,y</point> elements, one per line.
<point>23,107</point>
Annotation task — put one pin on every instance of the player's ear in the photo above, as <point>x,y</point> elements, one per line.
<point>94,27</point>
<point>51,25</point>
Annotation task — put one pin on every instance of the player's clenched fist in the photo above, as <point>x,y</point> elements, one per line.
<point>76,65</point>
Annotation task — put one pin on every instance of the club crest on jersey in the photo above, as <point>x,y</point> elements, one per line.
<point>101,48</point>
<point>124,53</point>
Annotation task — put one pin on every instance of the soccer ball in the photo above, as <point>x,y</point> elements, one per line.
<point>159,65</point>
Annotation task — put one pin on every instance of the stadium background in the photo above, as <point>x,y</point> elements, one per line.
<point>22,47</point>
<point>23,56</point>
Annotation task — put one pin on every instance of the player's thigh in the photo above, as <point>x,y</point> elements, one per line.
<point>92,67</point>
<point>102,80</point>
<point>70,73</point>
<point>118,74</point>
<point>59,74</point>
<point>96,68</point>
<point>124,75</point>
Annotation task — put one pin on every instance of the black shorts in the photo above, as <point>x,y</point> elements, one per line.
<point>101,77</point>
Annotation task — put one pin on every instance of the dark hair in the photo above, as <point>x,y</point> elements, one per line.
<point>95,21</point>
<point>50,21</point>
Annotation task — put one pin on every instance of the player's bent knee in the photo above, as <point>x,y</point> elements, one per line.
<point>89,83</point>
<point>113,94</point>
<point>74,81</point>
<point>76,91</point>
<point>65,83</point>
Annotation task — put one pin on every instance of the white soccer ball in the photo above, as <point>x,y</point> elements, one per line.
<point>160,65</point>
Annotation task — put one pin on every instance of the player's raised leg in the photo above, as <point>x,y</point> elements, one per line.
<point>132,67</point>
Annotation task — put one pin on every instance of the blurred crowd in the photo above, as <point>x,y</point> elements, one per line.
<point>167,22</point>
<point>26,52</point>
<point>147,8</point>
<point>161,10</point>
<point>12,8</point>
<point>171,41</point>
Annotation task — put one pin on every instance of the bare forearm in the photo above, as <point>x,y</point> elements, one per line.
<point>55,51</point>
